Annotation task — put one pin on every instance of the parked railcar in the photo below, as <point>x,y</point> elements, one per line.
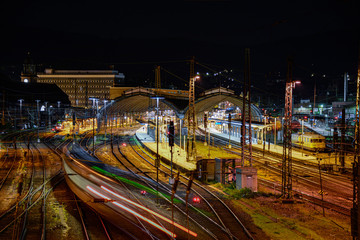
<point>309,141</point>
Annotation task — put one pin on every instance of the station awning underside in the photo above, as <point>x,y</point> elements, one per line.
<point>142,102</point>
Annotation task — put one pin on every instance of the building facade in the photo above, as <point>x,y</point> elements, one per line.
<point>81,85</point>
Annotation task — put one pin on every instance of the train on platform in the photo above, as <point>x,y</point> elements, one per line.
<point>309,141</point>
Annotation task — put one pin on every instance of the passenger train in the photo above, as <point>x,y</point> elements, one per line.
<point>309,141</point>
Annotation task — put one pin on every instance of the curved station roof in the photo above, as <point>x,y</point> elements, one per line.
<point>140,99</point>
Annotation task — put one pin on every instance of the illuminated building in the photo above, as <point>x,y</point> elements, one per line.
<point>80,85</point>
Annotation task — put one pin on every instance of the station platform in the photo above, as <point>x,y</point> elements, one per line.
<point>179,155</point>
<point>297,154</point>
<point>319,130</point>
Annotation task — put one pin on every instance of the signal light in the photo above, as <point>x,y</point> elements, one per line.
<point>124,144</point>
<point>176,182</point>
<point>171,133</point>
<point>229,119</point>
<point>143,192</point>
<point>205,120</point>
<point>196,199</point>
<point>188,188</point>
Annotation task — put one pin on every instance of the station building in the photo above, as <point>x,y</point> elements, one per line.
<point>80,85</point>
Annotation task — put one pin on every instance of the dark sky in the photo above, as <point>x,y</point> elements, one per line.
<point>321,36</point>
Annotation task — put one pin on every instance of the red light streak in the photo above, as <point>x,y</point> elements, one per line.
<point>133,212</point>
<point>150,211</point>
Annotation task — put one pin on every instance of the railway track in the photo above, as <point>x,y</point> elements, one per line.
<point>7,165</point>
<point>309,198</point>
<point>31,191</point>
<point>224,217</point>
<point>129,166</point>
<point>86,215</point>
<point>139,224</point>
<point>88,218</point>
<point>302,173</point>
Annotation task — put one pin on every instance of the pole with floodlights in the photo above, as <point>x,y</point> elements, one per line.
<point>286,190</point>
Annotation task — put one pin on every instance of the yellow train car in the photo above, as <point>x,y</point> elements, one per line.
<point>309,141</point>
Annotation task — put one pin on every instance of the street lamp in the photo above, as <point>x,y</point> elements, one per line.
<point>37,108</point>
<point>21,120</point>
<point>46,109</point>
<point>157,162</point>
<point>302,137</point>
<point>94,115</point>
<point>105,118</point>
<point>49,116</point>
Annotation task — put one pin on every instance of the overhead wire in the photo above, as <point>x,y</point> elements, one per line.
<point>180,78</point>
<point>242,82</point>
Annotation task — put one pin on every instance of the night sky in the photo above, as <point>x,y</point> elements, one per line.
<point>321,36</point>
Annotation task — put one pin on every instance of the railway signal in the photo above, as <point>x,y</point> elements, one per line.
<point>205,120</point>
<point>171,134</point>
<point>174,187</point>
<point>229,128</point>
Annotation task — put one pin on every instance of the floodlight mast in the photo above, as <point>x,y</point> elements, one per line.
<point>191,143</point>
<point>286,189</point>
<point>355,216</point>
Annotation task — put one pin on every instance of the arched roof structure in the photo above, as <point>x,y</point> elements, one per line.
<point>207,102</point>
<point>142,100</point>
